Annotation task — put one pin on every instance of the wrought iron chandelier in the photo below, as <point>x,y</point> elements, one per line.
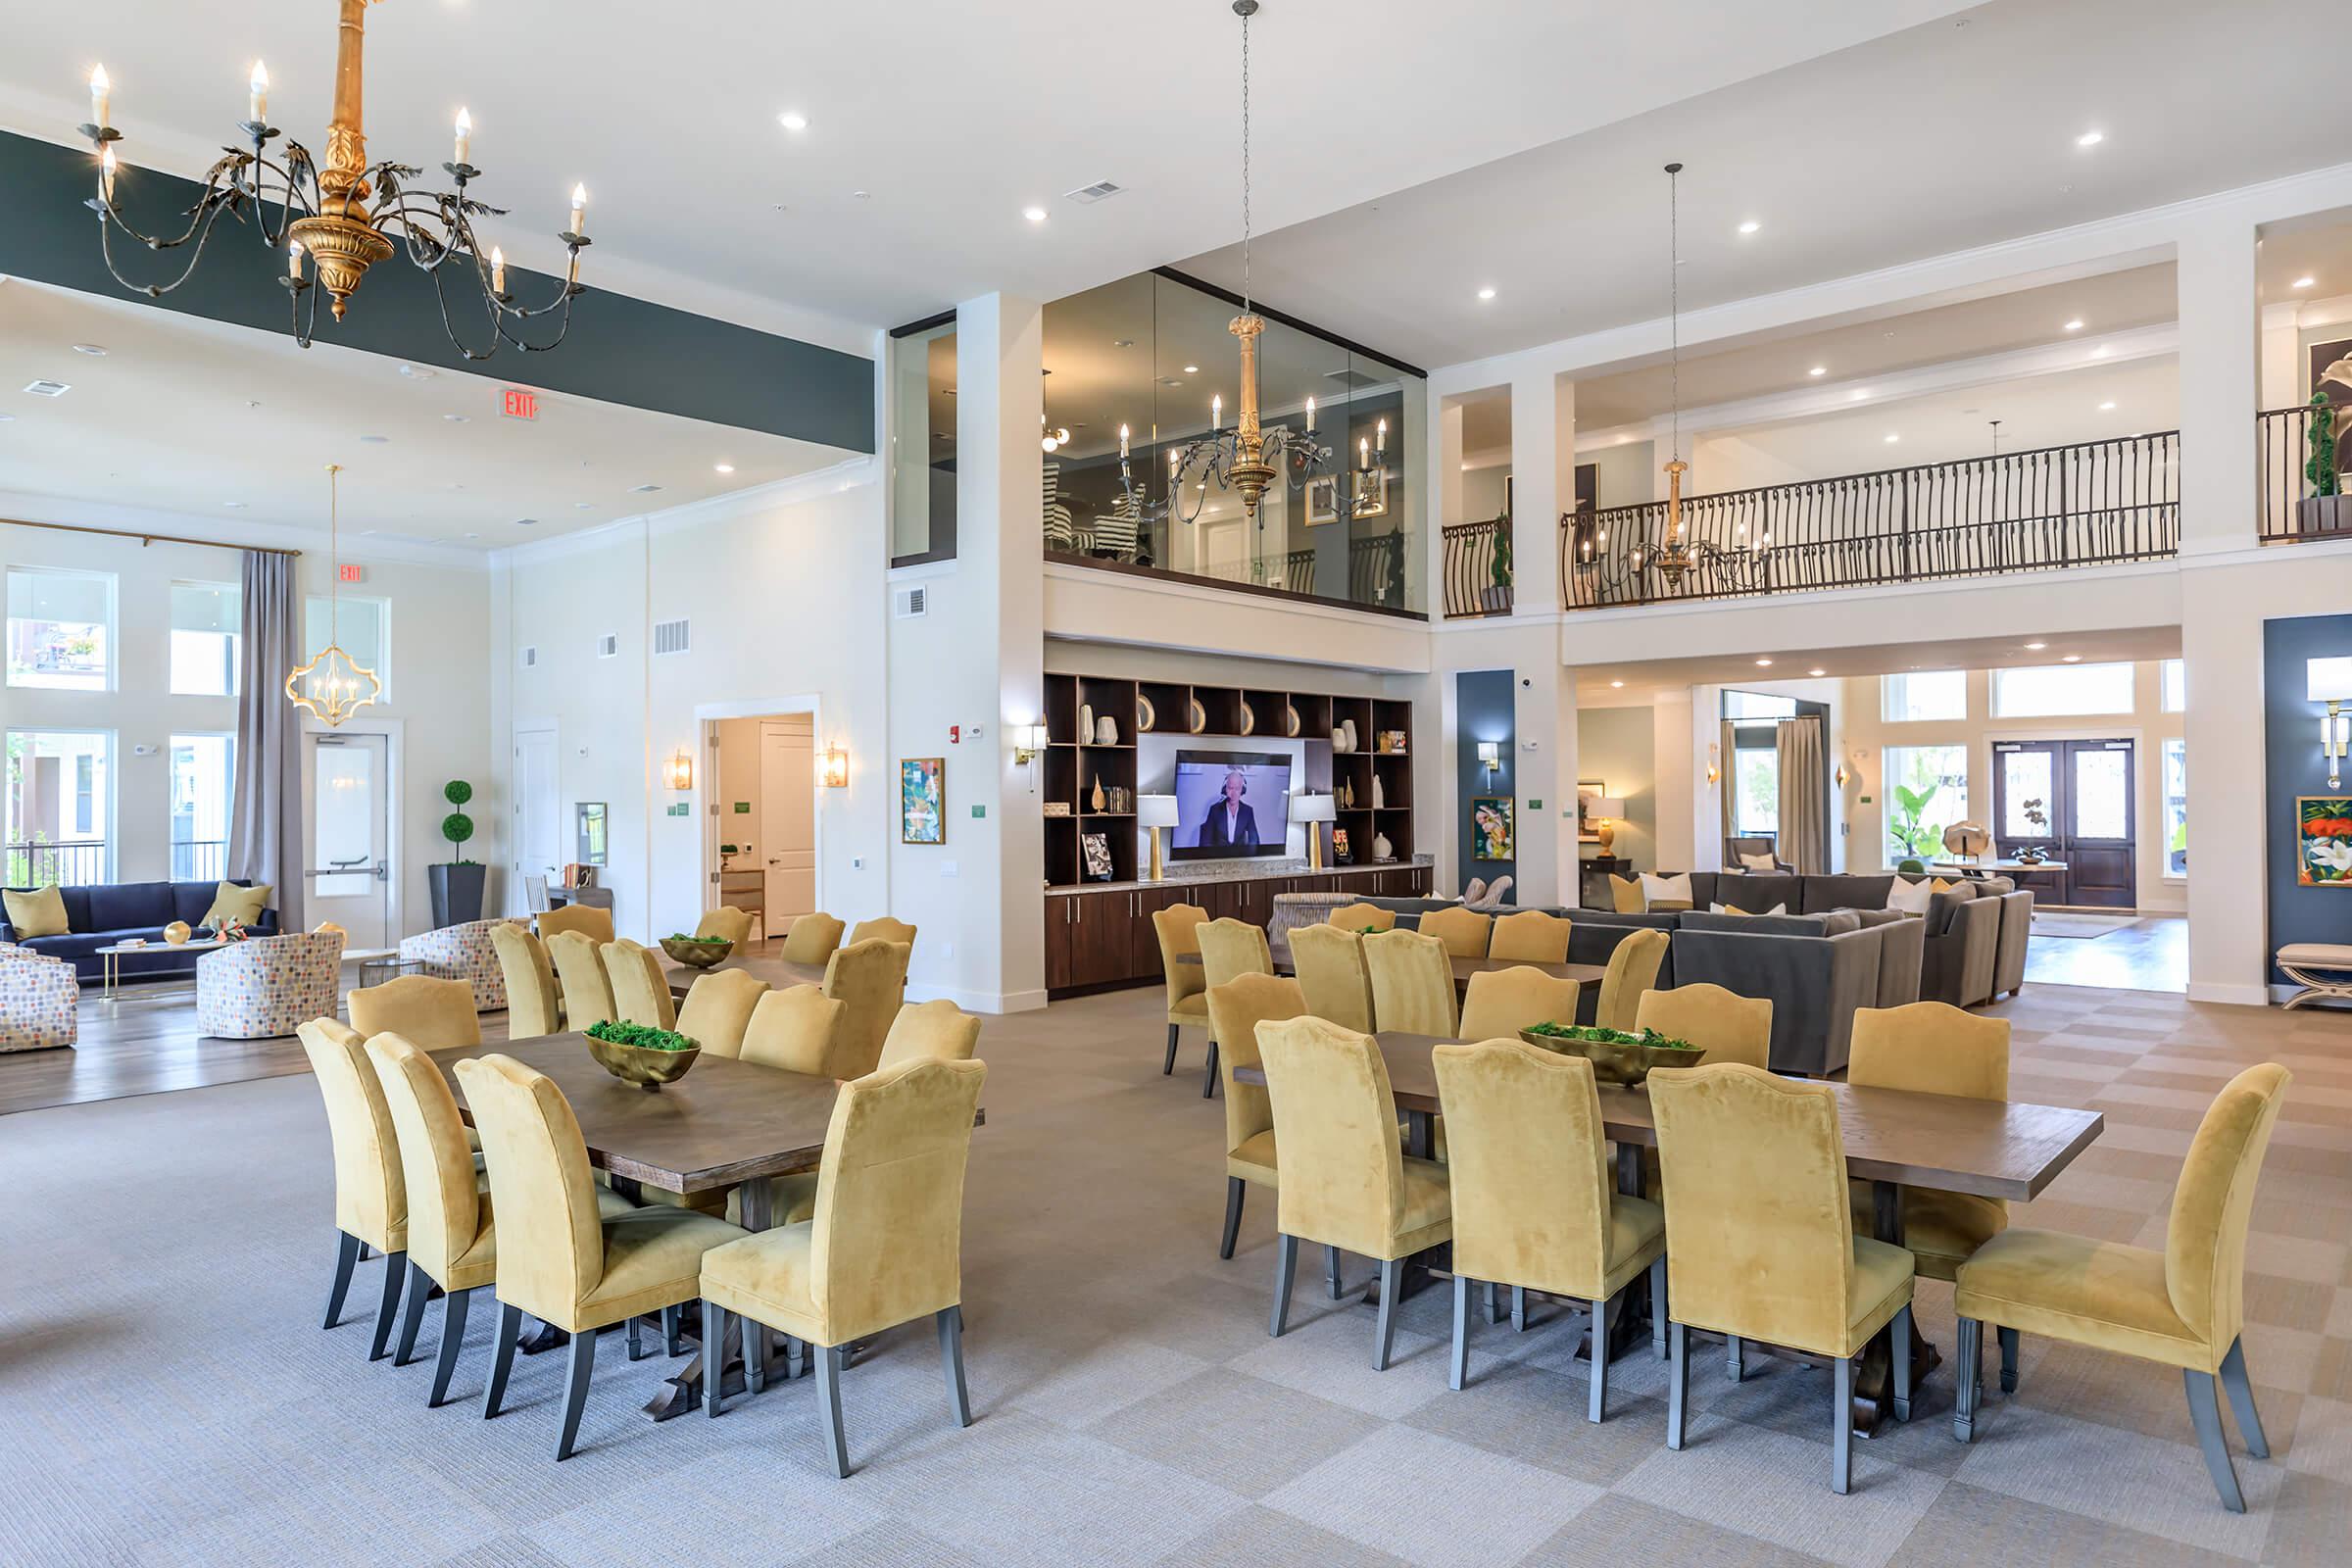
<point>343,214</point>
<point>333,685</point>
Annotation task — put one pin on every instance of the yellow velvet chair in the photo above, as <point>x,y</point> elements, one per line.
<point>1633,969</point>
<point>800,1030</point>
<point>372,1194</point>
<point>1931,1047</point>
<point>882,928</point>
<point>929,1031</point>
<point>1725,1025</point>
<point>1463,931</point>
<point>533,1005</point>
<point>1528,1162</point>
<point>1360,917</point>
<point>1236,1008</point>
<point>1413,983</point>
<point>1178,927</point>
<point>718,1010</point>
<point>726,921</point>
<point>2183,1307</point>
<point>1761,1246</point>
<point>586,918</point>
<point>1503,1001</point>
<point>1346,1179</point>
<point>561,1257</point>
<point>434,1014</point>
<point>640,988</point>
<point>870,978</point>
<point>812,939</point>
<point>1529,937</point>
<point>580,972</point>
<point>1333,975</point>
<point>885,1245</point>
<point>1228,950</point>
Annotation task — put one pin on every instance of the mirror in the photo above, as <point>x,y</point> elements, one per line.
<point>590,830</point>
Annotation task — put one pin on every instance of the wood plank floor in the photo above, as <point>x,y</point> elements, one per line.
<point>2151,953</point>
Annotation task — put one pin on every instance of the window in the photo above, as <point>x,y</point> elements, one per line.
<point>1757,809</point>
<point>1756,704</point>
<point>2176,807</point>
<point>206,620</point>
<point>362,627</point>
<point>202,778</point>
<point>58,807</point>
<point>1924,694</point>
<point>2046,691</point>
<point>60,629</point>
<point>1926,792</point>
<point>922,470</point>
<point>2175,685</point>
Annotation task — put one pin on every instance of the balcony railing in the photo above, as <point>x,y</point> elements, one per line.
<point>74,862</point>
<point>2292,506</point>
<point>199,859</point>
<point>1375,570</point>
<point>2089,504</point>
<point>1471,580</point>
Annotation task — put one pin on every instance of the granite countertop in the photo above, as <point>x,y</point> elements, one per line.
<point>1192,872</point>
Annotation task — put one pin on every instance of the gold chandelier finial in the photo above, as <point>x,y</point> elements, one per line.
<point>333,685</point>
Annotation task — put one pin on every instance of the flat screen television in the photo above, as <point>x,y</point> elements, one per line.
<point>1230,804</point>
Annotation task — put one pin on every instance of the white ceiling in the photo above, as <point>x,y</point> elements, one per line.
<point>952,116</point>
<point>1954,133</point>
<point>1642,684</point>
<point>184,415</point>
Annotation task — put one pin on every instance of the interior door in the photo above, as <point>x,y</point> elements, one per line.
<point>788,819</point>
<point>345,836</point>
<point>538,808</point>
<point>2075,799</point>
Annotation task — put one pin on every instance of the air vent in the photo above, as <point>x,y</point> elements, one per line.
<point>530,658</point>
<point>47,389</point>
<point>607,646</point>
<point>671,637</point>
<point>1098,192</point>
<point>908,603</point>
<point>1350,377</point>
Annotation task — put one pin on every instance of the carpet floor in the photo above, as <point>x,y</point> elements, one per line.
<point>166,1396</point>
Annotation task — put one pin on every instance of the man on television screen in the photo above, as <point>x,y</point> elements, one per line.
<point>1230,825</point>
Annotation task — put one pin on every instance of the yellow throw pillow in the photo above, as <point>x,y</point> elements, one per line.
<point>244,905</point>
<point>39,913</point>
<point>1627,895</point>
<point>1940,885</point>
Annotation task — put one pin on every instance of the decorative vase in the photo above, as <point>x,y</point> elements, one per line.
<point>1382,849</point>
<point>1347,793</point>
<point>1197,717</point>
<point>457,890</point>
<point>176,932</point>
<point>1107,731</point>
<point>1290,719</point>
<point>1086,721</point>
<point>1248,719</point>
<point>1347,728</point>
<point>1380,795</point>
<point>1096,800</point>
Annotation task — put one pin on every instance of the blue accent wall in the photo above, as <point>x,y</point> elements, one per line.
<point>1484,711</point>
<point>2295,767</point>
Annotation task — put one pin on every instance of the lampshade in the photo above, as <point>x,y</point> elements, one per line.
<point>1609,806</point>
<point>1490,753</point>
<point>2328,680</point>
<point>1311,809</point>
<point>1155,810</point>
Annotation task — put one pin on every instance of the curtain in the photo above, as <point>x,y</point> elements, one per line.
<point>1804,796</point>
<point>264,819</point>
<point>1727,786</point>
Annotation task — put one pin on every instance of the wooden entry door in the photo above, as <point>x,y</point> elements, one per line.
<point>2076,800</point>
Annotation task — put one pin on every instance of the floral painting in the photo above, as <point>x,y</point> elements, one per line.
<point>922,800</point>
<point>1491,828</point>
<point>2324,840</point>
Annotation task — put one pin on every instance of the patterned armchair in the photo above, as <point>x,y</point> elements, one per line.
<point>268,986</point>
<point>463,952</point>
<point>37,999</point>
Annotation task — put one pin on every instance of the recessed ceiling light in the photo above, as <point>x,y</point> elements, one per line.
<point>582,505</point>
<point>1617,685</point>
<point>1123,342</point>
<point>2107,407</point>
<point>2075,326</point>
<point>725,468</point>
<point>472,535</point>
<point>1893,438</point>
<point>1819,370</point>
<point>1762,663</point>
<point>862,195</point>
<point>643,489</point>
<point>2035,648</point>
<point>2090,138</point>
<point>457,418</point>
<point>417,372</point>
<point>1486,293</point>
<point>2072,659</point>
<point>1750,226</point>
<point>526,522</point>
<point>2304,282</point>
<point>234,505</point>
<point>1192,369</point>
<point>376,440</point>
<point>1034,214</point>
<point>96,351</point>
<point>1817,672</point>
<point>793,120</point>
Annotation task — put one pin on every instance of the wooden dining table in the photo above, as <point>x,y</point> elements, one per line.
<point>1464,968</point>
<point>779,974</point>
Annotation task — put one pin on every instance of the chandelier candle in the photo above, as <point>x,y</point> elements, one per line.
<point>100,88</point>
<point>465,142</point>
<point>257,104</point>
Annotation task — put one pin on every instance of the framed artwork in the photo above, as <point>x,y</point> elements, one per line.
<point>2324,840</point>
<point>1323,498</point>
<point>2331,376</point>
<point>1340,854</point>
<point>1491,828</point>
<point>922,800</point>
<point>1094,849</point>
<point>1588,790</point>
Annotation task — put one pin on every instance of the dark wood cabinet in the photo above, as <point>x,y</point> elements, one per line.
<point>1088,939</point>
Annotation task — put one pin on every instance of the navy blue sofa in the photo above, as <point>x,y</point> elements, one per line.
<point>101,915</point>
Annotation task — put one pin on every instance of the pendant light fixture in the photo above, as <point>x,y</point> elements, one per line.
<point>1674,556</point>
<point>333,686</point>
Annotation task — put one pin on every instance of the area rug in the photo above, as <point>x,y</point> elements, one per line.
<point>2085,927</point>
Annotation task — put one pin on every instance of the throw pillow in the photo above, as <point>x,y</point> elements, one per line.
<point>1662,892</point>
<point>244,905</point>
<point>1911,897</point>
<point>1942,886</point>
<point>1725,908</point>
<point>1758,862</point>
<point>1625,894</point>
<point>40,913</point>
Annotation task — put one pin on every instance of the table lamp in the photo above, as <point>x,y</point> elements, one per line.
<point>1314,810</point>
<point>1605,810</point>
<point>1155,811</point>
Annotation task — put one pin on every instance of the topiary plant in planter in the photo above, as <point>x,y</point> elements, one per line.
<point>457,884</point>
<point>2325,509</point>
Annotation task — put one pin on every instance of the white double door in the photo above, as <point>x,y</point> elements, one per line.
<point>346,835</point>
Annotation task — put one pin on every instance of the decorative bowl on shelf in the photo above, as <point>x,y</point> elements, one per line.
<point>697,952</point>
<point>1617,1057</point>
<point>637,1055</point>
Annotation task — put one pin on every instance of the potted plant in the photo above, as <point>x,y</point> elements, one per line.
<point>2326,509</point>
<point>456,885</point>
<point>1497,596</point>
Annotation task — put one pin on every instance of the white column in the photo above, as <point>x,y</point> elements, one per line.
<point>1542,483</point>
<point>2221,495</point>
<point>1674,780</point>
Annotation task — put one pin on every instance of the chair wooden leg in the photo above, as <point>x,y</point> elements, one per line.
<point>412,1316</point>
<point>2205,1414</point>
<point>1208,1078</point>
<point>1236,1190</point>
<point>575,1389</point>
<point>2242,1401</point>
<point>2008,1337</point>
<point>1604,1314</point>
<point>396,1273</point>
<point>1902,1364</point>
<point>1331,1271</point>
<point>951,1356</point>
<point>1968,1378</point>
<point>1392,1276</point>
<point>1286,1265</point>
<point>452,1335</point>
<point>828,1398</point>
<point>1457,1370</point>
<point>636,1339</point>
<point>1519,1308</point>
<point>1734,1357</point>
<point>1494,1303</point>
<point>755,1355</point>
<point>1657,1306</point>
<point>1678,1382</point>
<point>714,1340</point>
<point>347,1257</point>
<point>502,1357</point>
<point>673,1339</point>
<point>1168,1067</point>
<point>1842,1436</point>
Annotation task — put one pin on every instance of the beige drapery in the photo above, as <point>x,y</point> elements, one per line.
<point>1727,791</point>
<point>1804,791</point>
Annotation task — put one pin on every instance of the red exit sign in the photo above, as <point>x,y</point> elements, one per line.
<point>520,404</point>
<point>348,572</point>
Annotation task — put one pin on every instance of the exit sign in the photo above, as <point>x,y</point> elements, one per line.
<point>520,404</point>
<point>348,572</point>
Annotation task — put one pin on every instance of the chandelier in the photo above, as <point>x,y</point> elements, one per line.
<point>333,685</point>
<point>343,214</point>
<point>1672,558</point>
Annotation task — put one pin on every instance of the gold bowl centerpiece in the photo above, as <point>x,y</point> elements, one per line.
<point>697,952</point>
<point>1617,1057</point>
<point>638,1054</point>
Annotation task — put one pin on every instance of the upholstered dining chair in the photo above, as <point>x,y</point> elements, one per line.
<point>1330,964</point>
<point>1362,917</point>
<point>2183,1307</point>
<point>929,1031</point>
<point>1634,965</point>
<point>1463,931</point>
<point>1932,1048</point>
<point>1725,1025</point>
<point>371,1196</point>
<point>726,921</point>
<point>1761,1247</point>
<point>562,1258</point>
<point>1178,928</point>
<point>639,989</point>
<point>586,918</point>
<point>1528,1164</point>
<point>580,974</point>
<point>1228,950</point>
<point>1346,1179</point>
<point>870,976</point>
<point>885,1245</point>
<point>800,1030</point>
<point>1236,1008</point>
<point>718,1010</point>
<point>882,928</point>
<point>434,1014</point>
<point>532,1005</point>
<point>1530,936</point>
<point>812,939</point>
<point>1413,983</point>
<point>1501,1002</point>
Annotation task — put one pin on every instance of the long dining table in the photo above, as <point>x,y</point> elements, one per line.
<point>1463,967</point>
<point>1893,1139</point>
<point>779,974</point>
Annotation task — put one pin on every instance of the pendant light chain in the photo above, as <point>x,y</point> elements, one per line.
<point>334,559</point>
<point>1674,290</point>
<point>1245,160</point>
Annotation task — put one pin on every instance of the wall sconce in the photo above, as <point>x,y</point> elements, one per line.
<point>1028,741</point>
<point>677,772</point>
<point>1714,764</point>
<point>1841,773</point>
<point>833,769</point>
<point>2330,681</point>
<point>1489,755</point>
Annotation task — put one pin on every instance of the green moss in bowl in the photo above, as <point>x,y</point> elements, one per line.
<point>1618,1056</point>
<point>697,952</point>
<point>638,1053</point>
